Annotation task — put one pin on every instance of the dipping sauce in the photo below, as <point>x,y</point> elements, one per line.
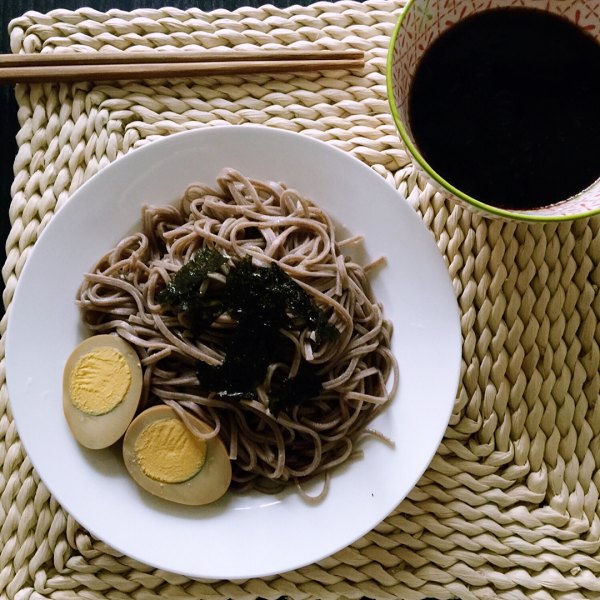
<point>505,105</point>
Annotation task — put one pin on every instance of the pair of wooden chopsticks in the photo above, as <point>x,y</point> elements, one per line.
<point>153,64</point>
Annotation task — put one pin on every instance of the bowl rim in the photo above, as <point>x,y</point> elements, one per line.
<point>482,206</point>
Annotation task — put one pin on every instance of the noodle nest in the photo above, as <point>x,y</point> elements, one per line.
<point>268,223</point>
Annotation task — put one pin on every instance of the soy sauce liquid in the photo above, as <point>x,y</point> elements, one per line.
<point>505,106</point>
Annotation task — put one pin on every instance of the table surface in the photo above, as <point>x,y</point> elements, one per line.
<point>9,9</point>
<point>509,506</point>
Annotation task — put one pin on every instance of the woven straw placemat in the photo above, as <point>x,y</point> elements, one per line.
<point>509,506</point>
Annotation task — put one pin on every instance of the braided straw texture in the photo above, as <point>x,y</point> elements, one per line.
<point>509,505</point>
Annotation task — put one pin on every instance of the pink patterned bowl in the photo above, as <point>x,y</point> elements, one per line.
<point>420,24</point>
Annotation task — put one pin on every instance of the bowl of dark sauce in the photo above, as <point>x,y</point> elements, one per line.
<point>499,106</point>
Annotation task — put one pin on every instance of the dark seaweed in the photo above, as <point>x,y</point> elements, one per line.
<point>261,301</point>
<point>248,351</point>
<point>181,293</point>
<point>293,391</point>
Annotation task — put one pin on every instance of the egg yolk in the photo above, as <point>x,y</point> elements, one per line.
<point>100,381</point>
<point>168,452</point>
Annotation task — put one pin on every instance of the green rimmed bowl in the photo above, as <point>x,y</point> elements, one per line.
<point>421,22</point>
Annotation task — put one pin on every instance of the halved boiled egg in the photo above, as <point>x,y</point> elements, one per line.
<point>102,386</point>
<point>166,459</point>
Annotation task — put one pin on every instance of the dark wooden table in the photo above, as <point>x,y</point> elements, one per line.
<point>9,9</point>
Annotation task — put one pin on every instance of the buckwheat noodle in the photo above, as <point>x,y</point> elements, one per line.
<point>267,222</point>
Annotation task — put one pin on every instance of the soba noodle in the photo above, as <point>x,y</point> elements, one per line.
<point>269,223</point>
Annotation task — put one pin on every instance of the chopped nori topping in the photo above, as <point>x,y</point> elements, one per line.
<point>248,352</point>
<point>261,301</point>
<point>182,291</point>
<point>293,391</point>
